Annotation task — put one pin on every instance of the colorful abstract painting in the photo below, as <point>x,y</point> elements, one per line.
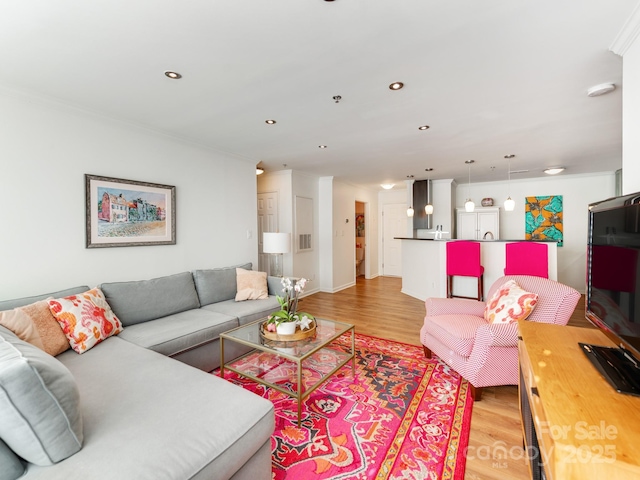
<point>543,218</point>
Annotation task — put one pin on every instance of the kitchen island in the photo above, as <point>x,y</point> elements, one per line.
<point>424,266</point>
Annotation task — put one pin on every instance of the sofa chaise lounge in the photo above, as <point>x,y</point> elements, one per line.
<point>143,414</point>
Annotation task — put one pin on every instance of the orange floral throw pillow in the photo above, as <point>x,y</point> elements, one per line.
<point>86,319</point>
<point>509,304</point>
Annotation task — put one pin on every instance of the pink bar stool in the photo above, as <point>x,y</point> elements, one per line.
<point>463,260</point>
<point>527,258</point>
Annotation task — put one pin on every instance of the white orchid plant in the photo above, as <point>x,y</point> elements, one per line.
<point>289,305</point>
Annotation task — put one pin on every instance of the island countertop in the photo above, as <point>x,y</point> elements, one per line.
<point>487,240</point>
<point>424,266</point>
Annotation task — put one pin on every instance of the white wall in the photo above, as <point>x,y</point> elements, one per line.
<point>577,192</point>
<point>47,149</point>
<point>631,119</point>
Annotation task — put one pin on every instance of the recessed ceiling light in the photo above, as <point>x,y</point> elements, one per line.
<point>270,122</point>
<point>173,75</point>
<point>601,89</point>
<point>387,186</point>
<point>423,127</point>
<point>396,85</point>
<point>554,170</point>
<point>322,146</point>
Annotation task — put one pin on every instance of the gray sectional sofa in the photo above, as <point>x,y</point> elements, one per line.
<point>144,414</point>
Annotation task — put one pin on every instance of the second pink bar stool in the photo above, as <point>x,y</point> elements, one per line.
<point>527,258</point>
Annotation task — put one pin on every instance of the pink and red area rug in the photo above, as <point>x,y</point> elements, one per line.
<point>402,417</point>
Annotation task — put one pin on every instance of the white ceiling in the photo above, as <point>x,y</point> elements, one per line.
<point>490,77</point>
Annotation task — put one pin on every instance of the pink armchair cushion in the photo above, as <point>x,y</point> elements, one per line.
<point>509,304</point>
<point>450,306</point>
<point>457,332</point>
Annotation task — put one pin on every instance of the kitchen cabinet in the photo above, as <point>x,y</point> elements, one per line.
<point>481,224</point>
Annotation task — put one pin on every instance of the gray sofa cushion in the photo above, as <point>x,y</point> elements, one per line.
<point>275,285</point>
<point>20,302</point>
<point>247,311</point>
<point>217,284</point>
<point>177,333</point>
<point>148,416</point>
<point>10,465</point>
<point>144,300</point>
<point>40,417</point>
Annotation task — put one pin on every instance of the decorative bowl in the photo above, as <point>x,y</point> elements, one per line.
<point>487,202</point>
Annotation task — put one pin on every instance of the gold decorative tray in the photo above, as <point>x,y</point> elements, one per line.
<point>299,335</point>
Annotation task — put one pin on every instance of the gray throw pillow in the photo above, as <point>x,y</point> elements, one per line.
<point>217,284</point>
<point>10,465</point>
<point>40,418</point>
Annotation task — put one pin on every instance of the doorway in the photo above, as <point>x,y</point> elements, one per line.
<point>267,222</point>
<point>360,225</point>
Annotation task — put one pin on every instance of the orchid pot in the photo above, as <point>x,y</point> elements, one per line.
<point>285,320</point>
<point>286,328</point>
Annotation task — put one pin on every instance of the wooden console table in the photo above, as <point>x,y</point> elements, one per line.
<point>583,427</point>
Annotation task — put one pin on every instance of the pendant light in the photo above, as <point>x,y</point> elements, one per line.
<point>469,206</point>
<point>410,210</point>
<point>428,208</point>
<point>509,204</point>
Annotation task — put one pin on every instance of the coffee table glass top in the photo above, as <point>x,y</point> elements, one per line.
<point>295,367</point>
<point>326,329</point>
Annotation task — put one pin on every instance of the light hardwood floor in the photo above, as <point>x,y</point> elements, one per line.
<point>378,308</point>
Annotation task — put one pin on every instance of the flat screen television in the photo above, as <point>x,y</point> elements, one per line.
<point>613,289</point>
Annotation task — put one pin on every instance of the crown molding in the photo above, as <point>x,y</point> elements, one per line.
<point>628,33</point>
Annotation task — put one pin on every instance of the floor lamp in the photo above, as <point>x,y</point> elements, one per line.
<point>276,245</point>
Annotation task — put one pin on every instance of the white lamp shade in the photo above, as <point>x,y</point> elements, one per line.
<point>428,209</point>
<point>410,212</point>
<point>276,242</point>
<point>469,206</point>
<point>509,204</point>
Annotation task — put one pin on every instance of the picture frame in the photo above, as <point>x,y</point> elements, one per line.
<point>128,213</point>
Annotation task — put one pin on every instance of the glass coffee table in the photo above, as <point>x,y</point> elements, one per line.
<point>295,367</point>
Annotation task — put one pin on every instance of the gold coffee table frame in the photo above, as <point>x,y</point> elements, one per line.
<point>296,351</point>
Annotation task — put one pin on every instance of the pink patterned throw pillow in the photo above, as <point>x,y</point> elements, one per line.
<point>509,304</point>
<point>86,319</point>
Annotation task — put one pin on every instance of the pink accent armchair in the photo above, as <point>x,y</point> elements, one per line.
<point>483,353</point>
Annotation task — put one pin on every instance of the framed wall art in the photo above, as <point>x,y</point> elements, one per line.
<point>543,218</point>
<point>127,213</point>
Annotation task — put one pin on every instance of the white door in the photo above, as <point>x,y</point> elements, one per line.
<point>488,223</point>
<point>394,224</point>
<point>267,222</point>
<point>467,227</point>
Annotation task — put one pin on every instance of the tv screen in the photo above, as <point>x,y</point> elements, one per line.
<point>613,285</point>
